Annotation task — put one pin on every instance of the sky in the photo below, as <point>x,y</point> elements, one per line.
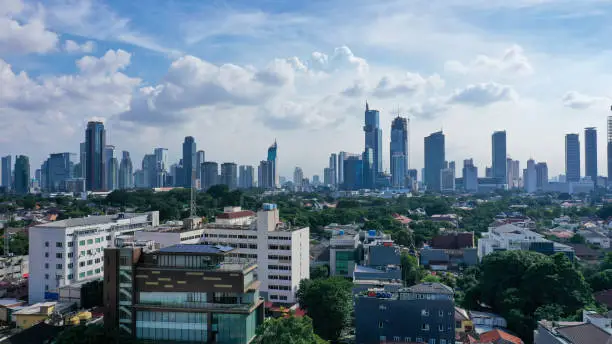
<point>238,75</point>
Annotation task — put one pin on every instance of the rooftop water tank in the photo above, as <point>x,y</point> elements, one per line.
<point>372,232</point>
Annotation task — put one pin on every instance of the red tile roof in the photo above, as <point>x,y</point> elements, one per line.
<point>496,335</point>
<point>235,214</point>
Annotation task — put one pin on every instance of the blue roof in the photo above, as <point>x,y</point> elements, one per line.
<point>361,268</point>
<point>8,302</point>
<point>186,248</point>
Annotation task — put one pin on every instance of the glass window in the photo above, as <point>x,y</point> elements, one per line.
<point>46,276</point>
<point>70,243</point>
<point>81,275</point>
<point>58,255</point>
<point>70,265</point>
<point>381,324</point>
<point>58,266</point>
<point>89,241</point>
<point>425,327</point>
<point>82,243</point>
<point>46,244</point>
<point>70,276</point>
<point>58,244</point>
<point>46,254</point>
<point>90,272</point>
<point>70,254</point>
<point>46,265</point>
<point>441,328</point>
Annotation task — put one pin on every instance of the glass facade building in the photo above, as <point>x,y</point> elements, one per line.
<point>434,160</point>
<point>572,157</point>
<point>95,143</point>
<point>590,153</point>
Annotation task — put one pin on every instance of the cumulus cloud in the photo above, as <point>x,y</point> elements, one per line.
<point>483,94</point>
<point>287,115</point>
<point>73,47</point>
<point>410,84</point>
<point>358,89</point>
<point>23,36</point>
<point>579,101</point>
<point>512,62</point>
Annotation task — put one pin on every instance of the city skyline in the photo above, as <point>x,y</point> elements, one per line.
<point>310,90</point>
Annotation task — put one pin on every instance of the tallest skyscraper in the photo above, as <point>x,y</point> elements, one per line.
<point>373,137</point>
<point>189,160</point>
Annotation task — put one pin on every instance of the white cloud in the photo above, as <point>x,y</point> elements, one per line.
<point>483,94</point>
<point>410,84</point>
<point>358,89</point>
<point>24,36</point>
<point>579,101</point>
<point>513,62</point>
<point>71,46</point>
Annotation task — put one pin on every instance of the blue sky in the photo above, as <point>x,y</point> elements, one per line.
<point>238,74</point>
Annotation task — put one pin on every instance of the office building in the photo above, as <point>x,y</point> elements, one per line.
<point>56,170</point>
<point>373,138</point>
<point>572,157</point>
<point>149,170</point>
<point>22,175</point>
<point>353,172</point>
<point>246,177</point>
<point>333,166</point>
<point>488,172</point>
<point>590,153</point>
<point>342,246</point>
<point>71,251</point>
<point>7,172</point>
<point>298,178</point>
<point>126,178</point>
<point>447,180</point>
<point>398,151</point>
<point>369,169</point>
<point>265,175</point>
<point>210,174</point>
<point>470,176</point>
<point>181,293</point>
<point>328,176</point>
<point>95,171</point>
<point>200,158</point>
<point>424,313</point>
<point>282,251</point>
<point>513,173</point>
<point>541,169</point>
<point>112,168</point>
<point>82,172</point>
<point>273,181</point>
<point>609,149</point>
<point>229,175</point>
<point>434,160</point>
<point>530,177</point>
<point>498,150</point>
<point>189,160</point>
<point>341,158</point>
<point>161,167</point>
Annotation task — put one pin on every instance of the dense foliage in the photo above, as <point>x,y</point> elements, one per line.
<point>329,303</point>
<point>524,285</point>
<point>288,330</point>
<point>93,334</point>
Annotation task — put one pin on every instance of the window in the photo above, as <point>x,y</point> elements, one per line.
<point>46,265</point>
<point>82,253</point>
<point>70,254</point>
<point>46,276</point>
<point>381,324</point>
<point>59,255</point>
<point>425,327</point>
<point>442,341</point>
<point>58,244</point>
<point>97,271</point>
<point>108,237</point>
<point>97,260</point>
<point>441,313</point>
<point>90,272</point>
<point>382,307</point>
<point>82,243</point>
<point>424,312</point>
<point>432,341</point>
<point>46,254</point>
<point>396,338</point>
<point>46,244</point>
<point>89,262</point>
<point>283,298</point>
<point>97,240</point>
<point>46,289</point>
<point>98,249</point>
<point>81,275</point>
<point>81,264</point>
<point>441,328</point>
<point>58,266</point>
<point>407,339</point>
<point>419,340</point>
<point>89,241</point>
<point>382,339</point>
<point>70,276</point>
<point>70,243</point>
<point>70,265</point>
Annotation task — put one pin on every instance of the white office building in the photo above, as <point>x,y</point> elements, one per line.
<point>282,252</point>
<point>70,251</point>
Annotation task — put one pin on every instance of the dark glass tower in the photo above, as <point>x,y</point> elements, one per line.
<point>22,175</point>
<point>373,136</point>
<point>95,142</point>
<point>434,160</point>
<point>498,145</point>
<point>590,153</point>
<point>399,151</point>
<point>189,160</point>
<point>572,157</point>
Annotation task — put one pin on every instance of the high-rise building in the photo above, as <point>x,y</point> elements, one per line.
<point>265,175</point>
<point>161,166</point>
<point>95,141</point>
<point>126,179</point>
<point>273,160</point>
<point>208,296</point>
<point>189,160</point>
<point>590,153</point>
<point>498,148</point>
<point>434,160</point>
<point>470,176</point>
<point>572,157</point>
<point>353,172</point>
<point>210,174</point>
<point>609,149</point>
<point>373,138</point>
<point>246,177</point>
<point>200,158</point>
<point>341,157</point>
<point>328,176</point>
<point>488,172</point>
<point>541,175</point>
<point>7,172</point>
<point>112,168</point>
<point>82,172</point>
<point>447,180</point>
<point>333,166</point>
<point>298,178</point>
<point>369,169</point>
<point>56,170</point>
<point>22,175</point>
<point>399,151</point>
<point>530,177</point>
<point>149,169</point>
<point>229,174</point>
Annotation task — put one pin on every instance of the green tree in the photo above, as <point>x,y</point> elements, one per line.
<point>93,334</point>
<point>411,272</point>
<point>319,271</point>
<point>403,237</point>
<point>431,279</point>
<point>329,303</point>
<point>287,330</point>
<point>601,280</point>
<point>577,239</point>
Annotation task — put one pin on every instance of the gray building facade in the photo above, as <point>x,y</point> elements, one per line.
<point>434,160</point>
<point>572,157</point>
<point>189,160</point>
<point>229,175</point>
<point>498,149</point>
<point>95,171</point>
<point>373,137</point>
<point>590,153</point>
<point>7,172</point>
<point>210,174</point>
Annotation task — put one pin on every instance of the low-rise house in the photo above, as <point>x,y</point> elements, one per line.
<point>32,315</point>
<point>450,218</point>
<point>7,306</point>
<point>498,336</point>
<point>553,332</point>
<point>485,321</point>
<point>595,238</point>
<point>342,246</point>
<point>443,260</point>
<point>603,321</point>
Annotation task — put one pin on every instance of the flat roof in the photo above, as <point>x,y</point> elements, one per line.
<point>187,248</point>
<point>89,220</point>
<point>8,302</point>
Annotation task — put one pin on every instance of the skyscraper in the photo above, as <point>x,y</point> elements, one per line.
<point>7,172</point>
<point>609,149</point>
<point>590,153</point>
<point>470,176</point>
<point>95,142</point>
<point>333,166</point>
<point>353,172</point>
<point>369,169</point>
<point>189,160</point>
<point>273,159</point>
<point>434,160</point>
<point>399,151</point>
<point>541,175</point>
<point>56,170</point>
<point>265,175</point>
<point>498,149</point>
<point>210,174</point>
<point>341,157</point>
<point>161,166</point>
<point>298,178</point>
<point>126,179</point>
<point>22,175</point>
<point>229,174</point>
<point>373,137</point>
<point>200,158</point>
<point>246,177</point>
<point>82,160</point>
<point>111,167</point>
<point>530,177</point>
<point>572,157</point>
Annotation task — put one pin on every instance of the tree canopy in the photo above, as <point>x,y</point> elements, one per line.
<point>288,330</point>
